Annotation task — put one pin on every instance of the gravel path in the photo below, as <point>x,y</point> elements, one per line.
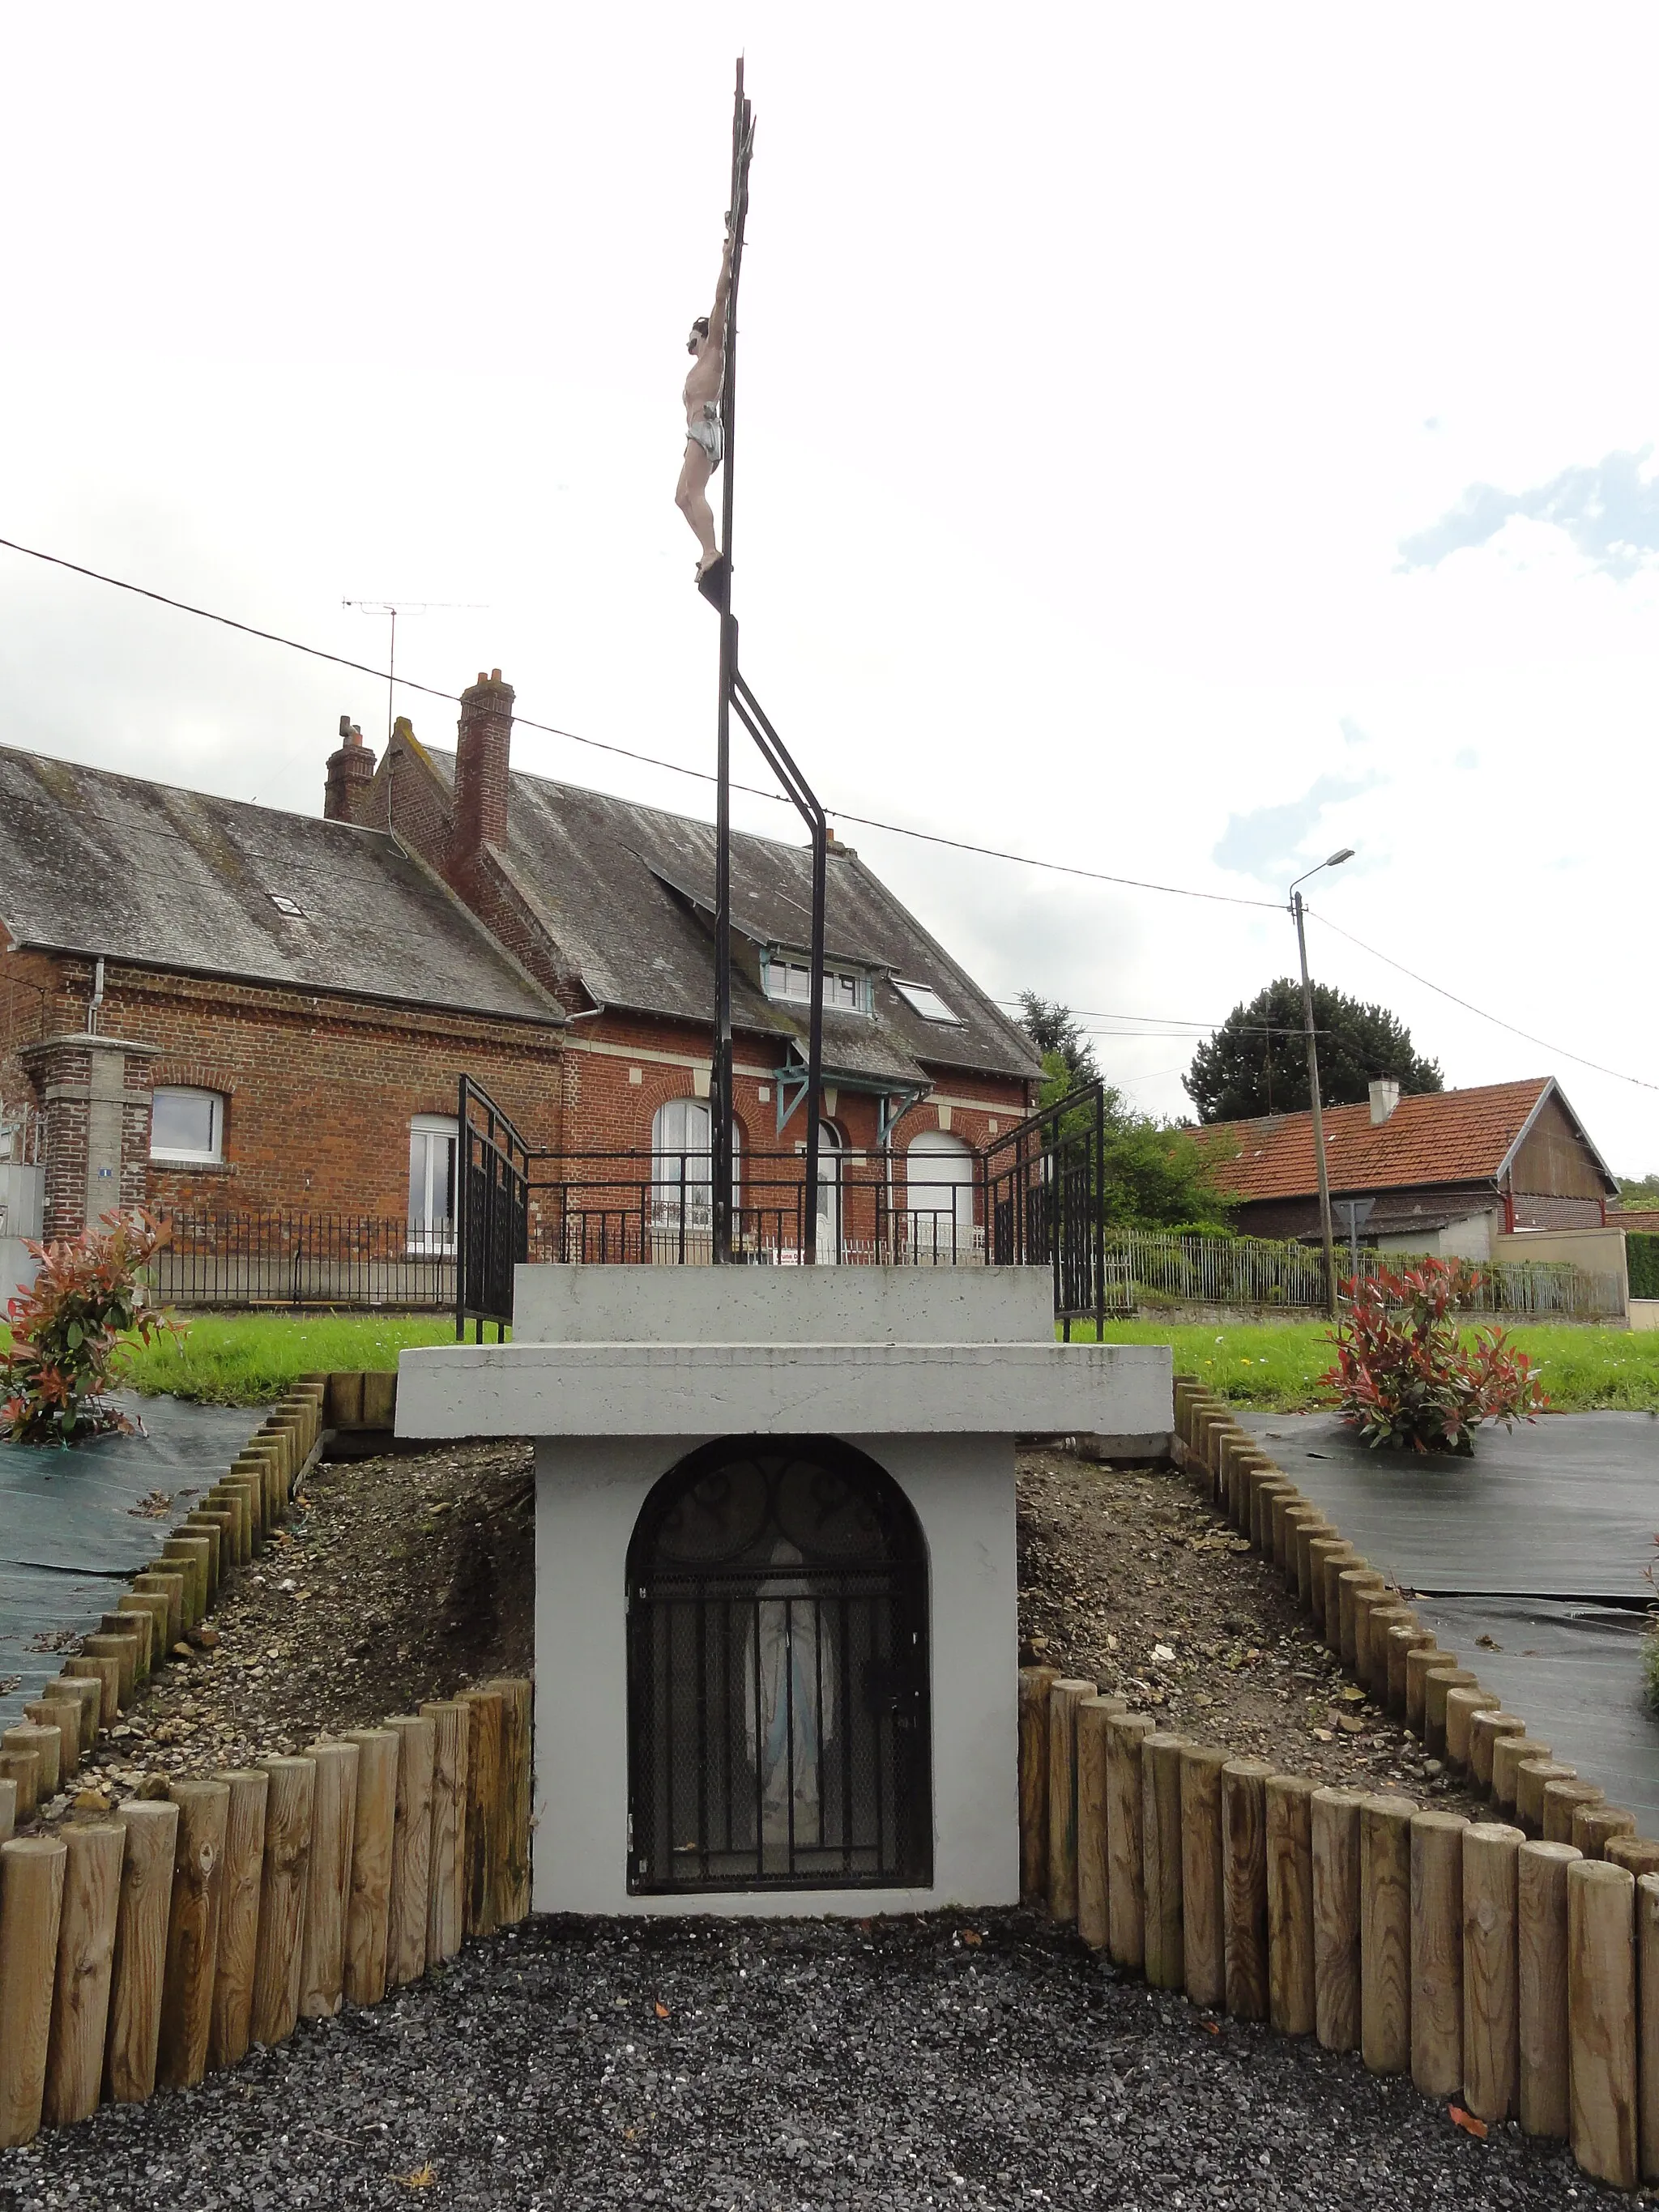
<point>810,2067</point>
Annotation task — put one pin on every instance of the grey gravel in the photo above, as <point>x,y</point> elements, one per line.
<point>806,2066</point>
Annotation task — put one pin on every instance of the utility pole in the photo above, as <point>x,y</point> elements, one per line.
<point>1325,1230</point>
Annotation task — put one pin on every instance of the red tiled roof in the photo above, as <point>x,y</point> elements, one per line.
<point>1434,1137</point>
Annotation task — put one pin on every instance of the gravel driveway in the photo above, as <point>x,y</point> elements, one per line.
<point>807,2066</point>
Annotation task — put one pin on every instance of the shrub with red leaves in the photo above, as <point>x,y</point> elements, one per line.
<point>67,1332</point>
<point>1403,1373</point>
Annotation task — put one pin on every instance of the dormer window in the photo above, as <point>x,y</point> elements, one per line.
<point>843,989</point>
<point>924,1001</point>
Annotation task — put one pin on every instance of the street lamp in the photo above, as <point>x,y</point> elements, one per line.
<point>1334,861</point>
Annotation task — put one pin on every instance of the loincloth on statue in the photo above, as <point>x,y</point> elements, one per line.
<point>709,432</point>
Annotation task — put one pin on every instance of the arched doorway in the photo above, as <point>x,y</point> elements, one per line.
<point>829,1195</point>
<point>778,1685</point>
<point>682,1180</point>
<point>939,1195</point>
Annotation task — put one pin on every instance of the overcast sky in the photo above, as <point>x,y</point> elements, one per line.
<point>1175,442</point>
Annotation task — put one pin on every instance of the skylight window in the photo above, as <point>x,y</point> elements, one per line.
<point>284,904</point>
<point>925,1001</point>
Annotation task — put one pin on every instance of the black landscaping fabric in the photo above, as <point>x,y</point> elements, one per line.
<point>797,2067</point>
<point>73,1530</point>
<point>1528,1560</point>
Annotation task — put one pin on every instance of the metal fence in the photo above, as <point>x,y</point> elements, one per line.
<point>302,1259</point>
<point>1249,1271</point>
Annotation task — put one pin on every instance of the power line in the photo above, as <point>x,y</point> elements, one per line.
<point>626,752</point>
<point>1497,1020</point>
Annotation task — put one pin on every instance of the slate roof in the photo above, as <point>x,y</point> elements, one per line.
<point>95,863</point>
<point>1432,1137</point>
<point>627,895</point>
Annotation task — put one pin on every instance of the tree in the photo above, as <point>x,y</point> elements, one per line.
<point>1257,1062</point>
<point>1156,1177</point>
<point>1639,1192</point>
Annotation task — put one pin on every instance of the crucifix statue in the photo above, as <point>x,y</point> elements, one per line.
<point>705,434</point>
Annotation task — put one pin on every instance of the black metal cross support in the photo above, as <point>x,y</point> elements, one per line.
<point>734,693</point>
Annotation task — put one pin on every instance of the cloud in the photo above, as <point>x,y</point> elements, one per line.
<point>1270,842</point>
<point>1610,513</point>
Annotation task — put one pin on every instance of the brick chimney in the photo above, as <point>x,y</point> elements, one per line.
<point>350,771</point>
<point>481,763</point>
<point>1385,1097</point>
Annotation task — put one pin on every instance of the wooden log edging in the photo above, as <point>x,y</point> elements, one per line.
<point>148,1947</point>
<point>1503,1965</point>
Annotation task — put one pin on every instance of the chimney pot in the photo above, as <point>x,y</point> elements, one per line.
<point>494,675</point>
<point>482,678</point>
<point>1385,1097</point>
<point>350,773</point>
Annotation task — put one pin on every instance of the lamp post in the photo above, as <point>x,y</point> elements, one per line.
<point>1334,861</point>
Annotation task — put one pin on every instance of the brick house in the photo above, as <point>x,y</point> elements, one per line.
<point>1446,1171</point>
<point>610,905</point>
<point>221,1008</point>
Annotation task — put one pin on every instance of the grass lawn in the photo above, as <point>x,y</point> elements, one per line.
<point>1277,1366</point>
<point>248,1359</point>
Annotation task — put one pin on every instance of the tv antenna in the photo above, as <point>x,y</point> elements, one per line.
<point>393,609</point>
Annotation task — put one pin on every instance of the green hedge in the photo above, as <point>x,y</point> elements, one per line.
<point>1641,1256</point>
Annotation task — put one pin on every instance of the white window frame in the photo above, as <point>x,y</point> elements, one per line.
<point>916,995</point>
<point>425,1236</point>
<point>845,991</point>
<point>185,1156</point>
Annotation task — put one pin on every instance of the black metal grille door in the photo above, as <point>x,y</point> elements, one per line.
<point>778,1675</point>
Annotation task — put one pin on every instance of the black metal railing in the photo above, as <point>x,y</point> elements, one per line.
<point>282,1257</point>
<point>1044,1184</point>
<point>492,1211</point>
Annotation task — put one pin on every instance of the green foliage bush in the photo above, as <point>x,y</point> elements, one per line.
<point>67,1333</point>
<point>1642,1256</point>
<point>1404,1374</point>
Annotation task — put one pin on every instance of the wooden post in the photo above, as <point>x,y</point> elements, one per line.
<point>1034,1683</point>
<point>217,1527</point>
<point>1601,2020</point>
<point>168,1584</point>
<point>279,1954</point>
<point>1437,1953</point>
<point>1321,1550</point>
<point>49,1739</point>
<point>484,1807</point>
<point>1064,1697</point>
<point>1492,2061</point>
<point>61,1714</point>
<point>124,1649</point>
<point>1484,1731</point>
<point>125,1621</point>
<point>1291,2006</point>
<point>152,1607</point>
<point>86,1960</point>
<point>1203,1910</point>
<point>87,1697</point>
<point>368,1911</point>
<point>1385,1923</point>
<point>1421,1662</point>
<point>1542,1979</point>
<point>1092,1715</point>
<point>31,1901</point>
<point>328,1882</point>
<point>1310,1530</point>
<point>1639,1854</point>
<point>1160,1859</point>
<point>1401,1642</point>
<point>1561,1800</point>
<point>141,1949</point>
<point>445,1914</point>
<point>1303,1524</point>
<point>1375,1612</point>
<point>248,1790</point>
<point>1508,1754</point>
<point>1269,1491</point>
<point>1281,1531</point>
<point>22,1770</point>
<point>412,1849</point>
<point>1532,1776</point>
<point>1594,1826</point>
<point>198,1864</point>
<point>1334,1837</point>
<point>190,1554</point>
<point>1244,1885</point>
<point>1437,1685</point>
<point>516,1697</point>
<point>1126,1895</point>
<point>8,1808</point>
<point>1348,1582</point>
<point>1647,2024</point>
<point>1461,1706</point>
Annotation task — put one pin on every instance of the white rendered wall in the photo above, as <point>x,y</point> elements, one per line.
<point>589,1491</point>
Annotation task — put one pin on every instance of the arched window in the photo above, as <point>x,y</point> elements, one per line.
<point>682,1180</point>
<point>940,1200</point>
<point>830,1194</point>
<point>777,1652</point>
